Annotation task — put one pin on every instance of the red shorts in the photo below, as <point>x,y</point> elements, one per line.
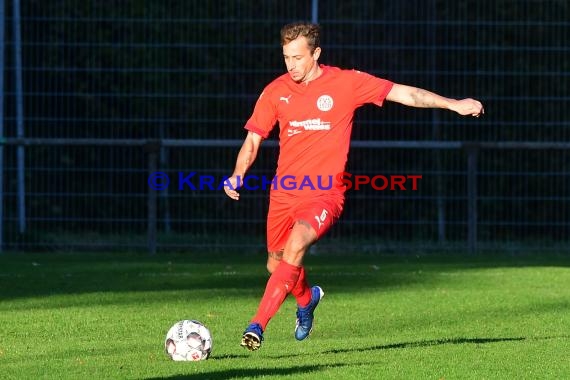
<point>321,211</point>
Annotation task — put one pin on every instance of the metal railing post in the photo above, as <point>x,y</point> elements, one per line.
<point>152,150</point>
<point>19,88</point>
<point>2,25</point>
<point>472,199</point>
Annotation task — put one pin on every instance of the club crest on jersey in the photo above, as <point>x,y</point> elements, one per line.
<point>325,103</point>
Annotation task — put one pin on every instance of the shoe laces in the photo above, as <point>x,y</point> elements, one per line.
<point>302,314</point>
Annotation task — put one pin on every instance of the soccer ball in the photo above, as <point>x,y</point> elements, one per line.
<point>188,340</point>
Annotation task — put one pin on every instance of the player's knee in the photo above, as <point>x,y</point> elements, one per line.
<point>271,266</point>
<point>273,259</point>
<point>302,237</point>
<point>298,244</point>
<point>295,250</point>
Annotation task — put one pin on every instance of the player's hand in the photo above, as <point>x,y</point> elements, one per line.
<point>231,185</point>
<point>468,107</point>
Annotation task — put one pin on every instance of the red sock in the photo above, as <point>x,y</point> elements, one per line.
<point>281,282</point>
<point>302,291</point>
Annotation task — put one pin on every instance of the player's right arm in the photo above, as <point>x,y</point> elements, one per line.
<point>245,159</point>
<point>259,125</point>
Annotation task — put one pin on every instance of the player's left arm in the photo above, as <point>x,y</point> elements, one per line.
<point>418,97</point>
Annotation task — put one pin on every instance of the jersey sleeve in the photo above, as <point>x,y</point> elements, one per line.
<point>264,116</point>
<point>369,89</point>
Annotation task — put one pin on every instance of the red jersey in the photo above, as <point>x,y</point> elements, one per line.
<point>315,122</point>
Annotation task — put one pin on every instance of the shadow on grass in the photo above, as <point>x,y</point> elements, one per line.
<point>261,372</point>
<point>36,275</point>
<point>253,372</point>
<point>438,342</point>
<point>428,343</point>
<point>25,275</point>
<point>403,345</point>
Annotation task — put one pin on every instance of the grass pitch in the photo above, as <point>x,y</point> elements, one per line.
<point>104,316</point>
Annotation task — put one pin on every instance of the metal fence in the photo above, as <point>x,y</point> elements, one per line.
<point>97,96</point>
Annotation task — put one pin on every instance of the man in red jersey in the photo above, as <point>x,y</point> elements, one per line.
<point>314,105</point>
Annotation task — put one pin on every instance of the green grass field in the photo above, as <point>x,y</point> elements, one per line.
<point>104,316</point>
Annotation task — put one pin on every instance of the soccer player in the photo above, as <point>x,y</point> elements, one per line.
<point>314,105</point>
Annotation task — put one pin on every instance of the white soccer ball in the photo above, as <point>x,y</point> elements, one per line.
<point>188,340</point>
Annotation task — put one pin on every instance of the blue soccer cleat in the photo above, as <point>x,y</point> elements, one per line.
<point>252,337</point>
<point>305,314</point>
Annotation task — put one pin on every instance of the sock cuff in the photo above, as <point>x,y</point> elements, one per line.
<point>287,272</point>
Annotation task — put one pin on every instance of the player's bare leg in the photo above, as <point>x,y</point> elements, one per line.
<point>303,235</point>
<point>273,259</point>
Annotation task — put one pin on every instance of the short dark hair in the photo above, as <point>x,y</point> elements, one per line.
<point>295,30</point>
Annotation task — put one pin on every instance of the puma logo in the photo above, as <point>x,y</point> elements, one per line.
<point>285,99</point>
<point>321,218</point>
